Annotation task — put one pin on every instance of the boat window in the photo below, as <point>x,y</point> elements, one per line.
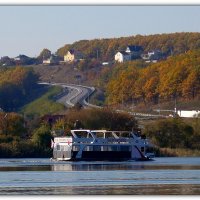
<point>112,148</point>
<point>142,149</point>
<point>88,148</point>
<point>104,148</point>
<point>75,148</point>
<point>125,148</point>
<point>97,148</point>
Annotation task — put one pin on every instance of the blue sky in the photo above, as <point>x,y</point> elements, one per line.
<point>29,29</point>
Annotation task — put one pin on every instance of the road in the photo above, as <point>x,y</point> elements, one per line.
<point>73,94</point>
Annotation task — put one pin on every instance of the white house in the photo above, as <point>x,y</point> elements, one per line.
<point>73,55</point>
<point>132,52</point>
<point>122,56</point>
<point>52,60</point>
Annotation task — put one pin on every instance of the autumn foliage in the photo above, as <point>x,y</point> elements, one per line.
<point>178,76</point>
<point>105,49</point>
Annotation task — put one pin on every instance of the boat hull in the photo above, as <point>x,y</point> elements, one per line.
<point>102,156</point>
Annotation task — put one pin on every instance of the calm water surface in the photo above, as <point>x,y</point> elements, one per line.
<point>44,177</point>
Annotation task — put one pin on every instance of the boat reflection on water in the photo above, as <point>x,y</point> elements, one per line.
<point>101,166</point>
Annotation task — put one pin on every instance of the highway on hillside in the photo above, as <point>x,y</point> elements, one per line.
<point>73,94</point>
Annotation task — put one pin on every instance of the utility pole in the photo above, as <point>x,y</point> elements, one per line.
<point>175,105</point>
<point>97,54</point>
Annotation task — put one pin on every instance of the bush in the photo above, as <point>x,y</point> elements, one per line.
<point>42,136</point>
<point>23,149</point>
<point>173,133</point>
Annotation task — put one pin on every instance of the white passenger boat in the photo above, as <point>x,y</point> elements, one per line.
<point>101,145</point>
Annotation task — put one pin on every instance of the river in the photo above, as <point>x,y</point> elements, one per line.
<point>162,176</point>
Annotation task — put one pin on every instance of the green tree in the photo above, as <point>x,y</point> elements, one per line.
<point>42,136</point>
<point>44,54</point>
<point>173,133</point>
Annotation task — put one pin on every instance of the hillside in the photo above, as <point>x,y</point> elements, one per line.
<point>105,49</point>
<point>175,78</point>
<point>68,73</point>
<point>134,83</point>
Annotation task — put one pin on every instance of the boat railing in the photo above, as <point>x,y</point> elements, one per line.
<point>83,140</point>
<point>112,140</point>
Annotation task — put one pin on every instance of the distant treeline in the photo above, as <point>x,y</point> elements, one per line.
<point>176,77</point>
<point>15,85</point>
<point>105,49</point>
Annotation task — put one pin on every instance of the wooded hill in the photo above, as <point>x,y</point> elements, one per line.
<point>105,49</point>
<point>15,86</point>
<point>176,77</point>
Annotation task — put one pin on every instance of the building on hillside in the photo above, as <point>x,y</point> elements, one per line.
<point>189,113</point>
<point>132,52</point>
<point>105,63</point>
<point>51,61</point>
<point>135,51</point>
<point>152,56</point>
<point>23,60</point>
<point>73,56</point>
<point>6,61</point>
<point>122,56</point>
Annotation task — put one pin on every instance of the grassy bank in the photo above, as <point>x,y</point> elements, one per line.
<point>44,104</point>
